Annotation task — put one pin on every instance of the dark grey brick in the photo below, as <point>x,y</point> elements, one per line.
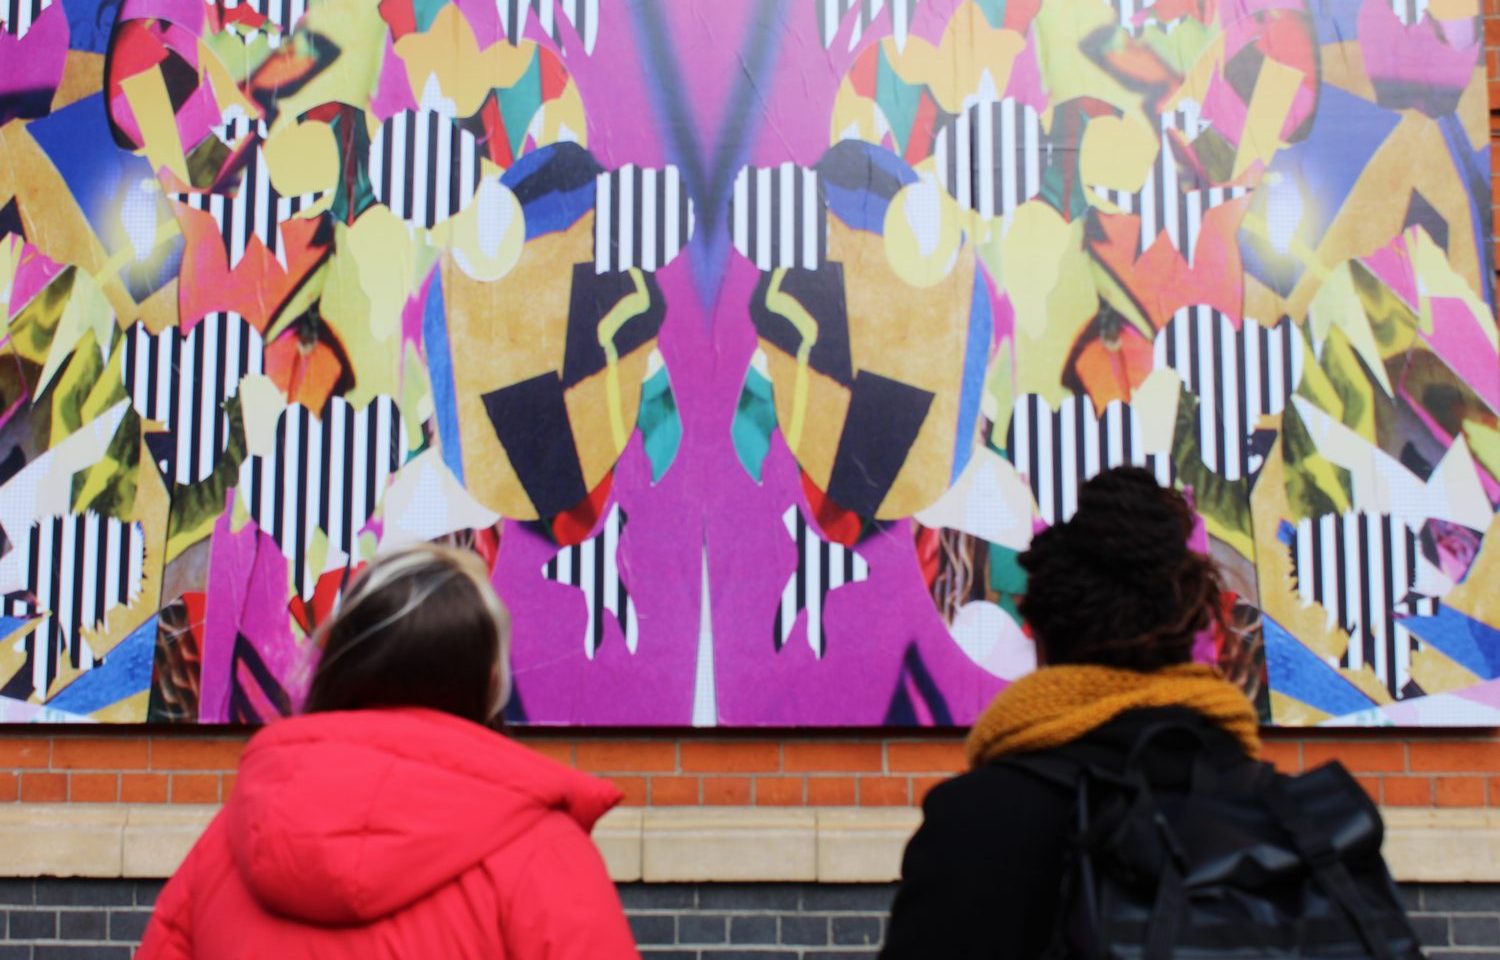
<point>856,931</point>
<point>1476,931</point>
<point>804,931</point>
<point>33,925</point>
<point>840,955</point>
<point>748,955</point>
<point>752,930</point>
<point>1411,896</point>
<point>81,925</point>
<point>654,928</point>
<point>849,898</point>
<point>21,892</point>
<point>146,892</point>
<point>1461,898</point>
<point>14,951</point>
<point>702,928</point>
<point>669,955</point>
<point>749,897</point>
<point>657,896</point>
<point>79,951</point>
<point>1432,929</point>
<point>85,893</point>
<point>1464,955</point>
<point>128,925</point>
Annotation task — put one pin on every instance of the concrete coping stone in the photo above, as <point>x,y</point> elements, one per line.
<point>675,844</point>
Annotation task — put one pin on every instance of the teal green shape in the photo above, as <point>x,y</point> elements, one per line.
<point>519,103</point>
<point>426,11</point>
<point>660,423</point>
<point>754,421</point>
<point>993,10</point>
<point>1006,578</point>
<point>899,100</point>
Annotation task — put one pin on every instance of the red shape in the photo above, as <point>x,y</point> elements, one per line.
<point>919,143</point>
<point>554,75</point>
<point>928,542</point>
<point>574,525</point>
<point>399,16</point>
<point>837,523</point>
<point>495,134</point>
<point>862,75</point>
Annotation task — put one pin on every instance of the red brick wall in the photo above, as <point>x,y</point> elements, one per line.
<point>673,769</point>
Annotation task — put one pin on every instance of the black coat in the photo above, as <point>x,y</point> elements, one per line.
<point>980,879</point>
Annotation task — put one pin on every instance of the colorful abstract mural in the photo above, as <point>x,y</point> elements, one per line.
<point>748,341</point>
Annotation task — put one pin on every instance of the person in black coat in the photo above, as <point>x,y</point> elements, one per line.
<point>1115,599</point>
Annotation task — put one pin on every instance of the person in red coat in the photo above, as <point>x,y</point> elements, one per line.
<point>388,821</point>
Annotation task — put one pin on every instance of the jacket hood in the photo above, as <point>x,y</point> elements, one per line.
<point>342,818</point>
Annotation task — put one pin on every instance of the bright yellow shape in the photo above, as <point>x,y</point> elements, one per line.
<point>1117,152</point>
<point>356,29</point>
<point>999,397</point>
<point>1435,672</point>
<point>631,305</point>
<point>302,158</point>
<point>856,117</point>
<point>10,261</point>
<point>486,237</point>
<point>1270,102</point>
<point>1287,712</point>
<point>1068,71</point>
<point>922,234</point>
<point>562,119</point>
<point>1338,304</point>
<point>1049,278</point>
<point>807,332</point>
<point>1453,9</point>
<point>87,311</point>
<point>449,52</point>
<point>973,57</point>
<point>1365,681</point>
<point>146,92</point>
<point>130,710</point>
<point>261,403</point>
<point>365,285</point>
<point>1474,108</point>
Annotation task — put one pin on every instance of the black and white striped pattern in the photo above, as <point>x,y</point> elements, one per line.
<point>582,14</point>
<point>779,218</point>
<point>255,209</point>
<point>1162,203</point>
<point>77,569</point>
<point>235,126</point>
<point>1360,567</point>
<point>821,567</point>
<point>424,167</point>
<point>285,14</point>
<point>1238,376</point>
<point>326,474</point>
<point>591,567</point>
<point>1410,12</point>
<point>1059,451</point>
<point>990,157</point>
<point>831,14</point>
<point>21,14</point>
<point>642,218</point>
<point>183,381</point>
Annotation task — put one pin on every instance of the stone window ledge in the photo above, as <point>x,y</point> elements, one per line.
<point>675,844</point>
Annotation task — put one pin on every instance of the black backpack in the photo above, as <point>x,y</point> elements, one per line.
<point>1244,863</point>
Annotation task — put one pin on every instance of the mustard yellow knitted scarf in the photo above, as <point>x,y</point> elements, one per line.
<point>1056,705</point>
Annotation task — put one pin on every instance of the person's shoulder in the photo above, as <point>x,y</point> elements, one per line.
<point>1009,784</point>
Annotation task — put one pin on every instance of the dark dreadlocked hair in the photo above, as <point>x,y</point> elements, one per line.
<point>1117,585</point>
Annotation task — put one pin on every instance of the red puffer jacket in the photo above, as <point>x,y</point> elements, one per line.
<point>388,834</point>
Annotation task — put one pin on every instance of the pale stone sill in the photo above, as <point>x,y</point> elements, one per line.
<point>675,844</point>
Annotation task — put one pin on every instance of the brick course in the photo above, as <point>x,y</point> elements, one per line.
<point>837,768</point>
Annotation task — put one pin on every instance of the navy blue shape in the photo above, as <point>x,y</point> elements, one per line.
<point>10,220</point>
<point>902,710</point>
<point>1346,132</point>
<point>1302,675</point>
<point>555,186</point>
<point>531,422</point>
<point>125,672</point>
<point>821,293</point>
<point>858,181</point>
<point>593,296</point>
<point>884,419</point>
<point>90,23</point>
<point>77,141</point>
